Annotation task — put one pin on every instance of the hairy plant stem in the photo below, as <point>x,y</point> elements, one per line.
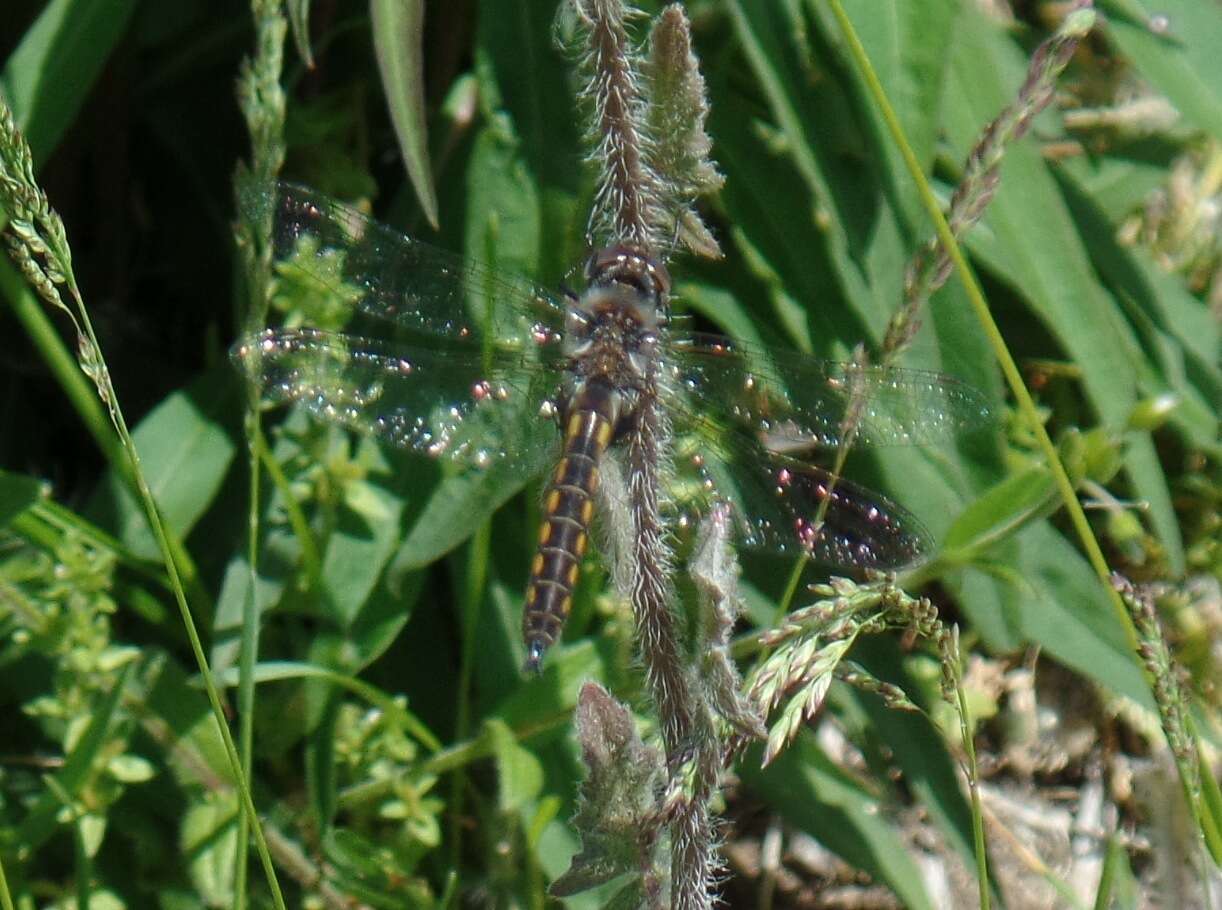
<point>626,187</point>
<point>688,736</point>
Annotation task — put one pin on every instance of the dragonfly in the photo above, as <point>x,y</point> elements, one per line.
<point>487,371</point>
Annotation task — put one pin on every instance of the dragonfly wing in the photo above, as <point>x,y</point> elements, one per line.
<point>792,402</point>
<point>478,410</point>
<point>787,506</point>
<point>329,249</point>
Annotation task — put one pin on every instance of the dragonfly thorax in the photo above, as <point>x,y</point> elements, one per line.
<point>612,339</point>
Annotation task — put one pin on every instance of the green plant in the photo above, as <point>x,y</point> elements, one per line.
<point>396,754</point>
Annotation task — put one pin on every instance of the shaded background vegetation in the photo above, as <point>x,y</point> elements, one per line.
<point>1101,264</point>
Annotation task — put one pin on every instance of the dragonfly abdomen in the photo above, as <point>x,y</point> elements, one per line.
<point>568,508</point>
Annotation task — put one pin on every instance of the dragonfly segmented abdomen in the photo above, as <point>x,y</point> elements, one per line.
<point>568,507</point>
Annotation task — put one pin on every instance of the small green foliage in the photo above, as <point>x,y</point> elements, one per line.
<point>56,609</point>
<point>304,298</point>
<point>383,789</point>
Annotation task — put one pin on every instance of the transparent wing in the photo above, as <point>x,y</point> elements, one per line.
<point>744,416</point>
<point>792,402</point>
<point>787,506</point>
<point>480,410</point>
<point>330,250</point>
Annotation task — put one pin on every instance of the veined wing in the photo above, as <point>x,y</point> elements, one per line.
<point>360,265</point>
<point>793,402</point>
<point>787,506</point>
<point>482,410</point>
<point>742,417</point>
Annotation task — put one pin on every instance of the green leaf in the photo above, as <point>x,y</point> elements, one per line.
<point>502,228</point>
<point>825,208</point>
<point>365,536</point>
<point>1000,512</point>
<point>909,46</point>
<point>53,69</point>
<point>177,701</point>
<point>546,701</point>
<point>186,447</point>
<point>131,769</point>
<point>398,34</point>
<point>1055,600</point>
<point>519,772</point>
<point>814,795</point>
<point>1184,62</point>
<point>1179,337</point>
<point>209,841</point>
<point>522,72</point>
<point>17,493</point>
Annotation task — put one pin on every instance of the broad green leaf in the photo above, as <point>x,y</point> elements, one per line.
<point>502,226</point>
<point>47,78</point>
<point>1056,601</point>
<point>1000,512</point>
<point>364,538</point>
<point>398,34</point>
<point>1180,60</point>
<point>186,447</point>
<point>814,795</point>
<point>17,493</point>
<point>518,771</point>
<point>522,72</point>
<point>209,842</point>
<point>909,46</point>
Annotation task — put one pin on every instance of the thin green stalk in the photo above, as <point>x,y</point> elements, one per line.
<point>249,650</point>
<point>262,100</point>
<point>84,400</point>
<point>311,561</point>
<point>197,648</point>
<point>973,776</point>
<point>981,309</point>
<point>791,587</point>
<point>6,899</point>
<point>1107,878</point>
<point>63,366</point>
<point>38,243</point>
<point>473,597</point>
